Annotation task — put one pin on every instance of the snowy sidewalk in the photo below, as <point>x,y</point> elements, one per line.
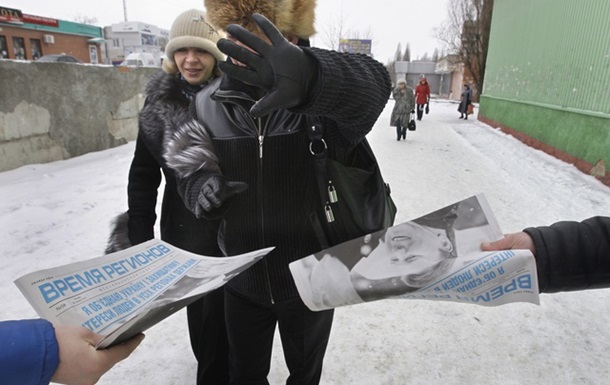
<point>56,213</point>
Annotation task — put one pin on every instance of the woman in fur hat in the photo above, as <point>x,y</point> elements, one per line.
<point>257,115</point>
<point>190,64</point>
<point>403,108</point>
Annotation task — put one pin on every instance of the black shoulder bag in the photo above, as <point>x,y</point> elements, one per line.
<point>354,197</point>
<point>411,125</point>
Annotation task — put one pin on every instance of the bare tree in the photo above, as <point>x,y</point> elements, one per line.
<point>465,33</point>
<point>337,29</point>
<point>85,19</point>
<point>436,55</point>
<point>407,54</point>
<point>398,53</point>
<point>391,67</point>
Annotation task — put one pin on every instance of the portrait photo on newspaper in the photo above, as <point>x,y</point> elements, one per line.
<point>436,257</point>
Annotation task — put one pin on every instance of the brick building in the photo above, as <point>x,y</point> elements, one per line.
<point>28,37</point>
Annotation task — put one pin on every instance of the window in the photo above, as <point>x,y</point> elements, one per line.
<point>35,48</point>
<point>93,54</point>
<point>19,48</point>
<point>3,48</point>
<point>149,39</point>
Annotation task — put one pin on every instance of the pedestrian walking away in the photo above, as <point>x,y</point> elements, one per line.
<point>465,101</point>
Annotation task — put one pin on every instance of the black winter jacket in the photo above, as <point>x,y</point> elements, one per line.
<point>573,255</point>
<point>272,155</point>
<point>166,107</point>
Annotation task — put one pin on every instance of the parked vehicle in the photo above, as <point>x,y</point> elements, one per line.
<point>140,59</point>
<point>58,58</point>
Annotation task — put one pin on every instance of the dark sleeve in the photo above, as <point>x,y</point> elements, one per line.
<point>29,354</point>
<point>573,255</point>
<point>144,181</point>
<point>189,187</point>
<point>352,91</point>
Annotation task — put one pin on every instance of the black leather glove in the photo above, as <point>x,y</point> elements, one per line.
<point>215,191</point>
<point>282,69</point>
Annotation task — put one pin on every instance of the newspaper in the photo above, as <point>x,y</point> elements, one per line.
<point>434,257</point>
<point>122,294</point>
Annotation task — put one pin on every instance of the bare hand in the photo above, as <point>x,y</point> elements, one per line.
<point>79,362</point>
<point>511,241</point>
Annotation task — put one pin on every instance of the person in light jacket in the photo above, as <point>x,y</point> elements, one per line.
<point>404,105</point>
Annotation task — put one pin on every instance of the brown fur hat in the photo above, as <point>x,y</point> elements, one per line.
<point>294,18</point>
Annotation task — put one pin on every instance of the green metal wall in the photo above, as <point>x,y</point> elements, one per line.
<point>548,73</point>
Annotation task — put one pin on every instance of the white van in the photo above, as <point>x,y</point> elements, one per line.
<point>140,59</point>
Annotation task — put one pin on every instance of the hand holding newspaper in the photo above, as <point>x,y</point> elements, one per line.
<point>434,257</point>
<point>122,294</point>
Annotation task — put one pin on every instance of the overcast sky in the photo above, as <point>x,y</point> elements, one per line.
<point>387,22</point>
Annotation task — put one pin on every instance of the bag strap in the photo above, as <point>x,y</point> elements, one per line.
<point>319,152</point>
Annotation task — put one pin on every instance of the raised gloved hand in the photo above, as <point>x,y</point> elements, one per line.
<point>281,68</point>
<point>215,191</point>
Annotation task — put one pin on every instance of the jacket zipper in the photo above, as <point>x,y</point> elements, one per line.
<point>261,131</point>
<point>261,138</point>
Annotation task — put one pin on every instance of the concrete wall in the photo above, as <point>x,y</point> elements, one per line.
<point>55,111</point>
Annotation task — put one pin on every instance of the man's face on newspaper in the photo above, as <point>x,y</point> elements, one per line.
<point>413,249</point>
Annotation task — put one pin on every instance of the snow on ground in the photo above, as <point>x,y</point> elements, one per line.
<point>57,213</point>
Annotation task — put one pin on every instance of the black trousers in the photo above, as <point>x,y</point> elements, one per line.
<point>251,327</point>
<point>400,131</point>
<point>208,333</point>
<point>420,111</point>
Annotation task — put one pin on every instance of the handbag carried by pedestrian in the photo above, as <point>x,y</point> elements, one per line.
<point>411,125</point>
<point>354,198</point>
<point>470,109</point>
<point>427,108</point>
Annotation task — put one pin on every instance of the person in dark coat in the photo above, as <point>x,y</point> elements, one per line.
<point>257,116</point>
<point>465,101</point>
<point>569,255</point>
<point>190,65</point>
<point>404,105</point>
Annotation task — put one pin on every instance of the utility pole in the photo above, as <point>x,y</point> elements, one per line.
<point>125,9</point>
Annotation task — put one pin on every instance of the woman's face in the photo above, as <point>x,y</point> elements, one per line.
<point>195,65</point>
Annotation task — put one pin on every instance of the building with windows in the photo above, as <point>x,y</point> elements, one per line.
<point>130,37</point>
<point>28,37</point>
<point>413,71</point>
